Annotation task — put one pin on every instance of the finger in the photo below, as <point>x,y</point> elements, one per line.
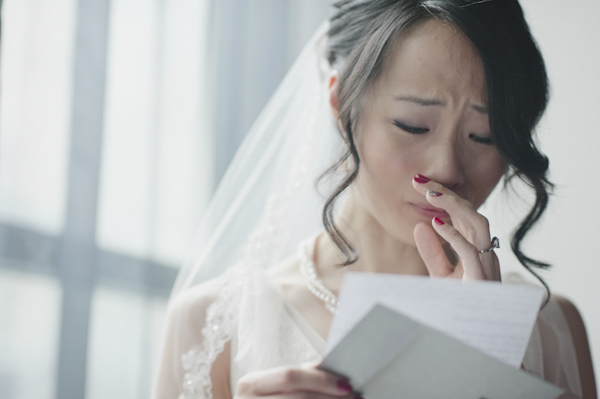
<point>475,229</point>
<point>431,251</point>
<point>473,226</point>
<point>422,185</point>
<point>469,255</point>
<point>473,261</point>
<point>440,196</point>
<point>293,379</point>
<point>465,218</point>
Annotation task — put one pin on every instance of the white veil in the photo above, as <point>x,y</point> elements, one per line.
<point>266,204</point>
<point>267,201</point>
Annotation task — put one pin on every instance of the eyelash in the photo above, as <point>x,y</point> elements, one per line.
<point>481,140</point>
<point>411,129</point>
<point>423,130</point>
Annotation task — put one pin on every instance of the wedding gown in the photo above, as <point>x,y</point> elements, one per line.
<point>245,310</point>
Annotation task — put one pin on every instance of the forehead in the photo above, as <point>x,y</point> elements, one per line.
<point>434,58</point>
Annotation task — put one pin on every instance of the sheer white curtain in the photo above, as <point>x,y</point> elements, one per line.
<point>117,118</point>
<point>35,96</point>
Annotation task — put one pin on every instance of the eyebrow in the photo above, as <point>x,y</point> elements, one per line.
<point>431,102</point>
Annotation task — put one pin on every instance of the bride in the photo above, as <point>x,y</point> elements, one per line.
<point>434,103</point>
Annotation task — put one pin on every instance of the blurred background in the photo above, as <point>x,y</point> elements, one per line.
<point>117,120</point>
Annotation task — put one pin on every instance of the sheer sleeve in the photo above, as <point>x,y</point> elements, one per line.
<point>194,358</point>
<point>551,353</point>
<point>221,330</point>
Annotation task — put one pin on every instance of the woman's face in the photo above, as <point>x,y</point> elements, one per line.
<point>426,114</point>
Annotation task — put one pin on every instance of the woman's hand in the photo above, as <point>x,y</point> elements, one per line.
<point>293,382</point>
<point>467,235</point>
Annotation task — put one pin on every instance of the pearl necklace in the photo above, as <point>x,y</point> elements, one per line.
<point>313,283</point>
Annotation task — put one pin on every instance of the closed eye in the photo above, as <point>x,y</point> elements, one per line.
<point>482,140</point>
<point>411,129</point>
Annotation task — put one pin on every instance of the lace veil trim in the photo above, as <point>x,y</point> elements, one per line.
<point>221,319</point>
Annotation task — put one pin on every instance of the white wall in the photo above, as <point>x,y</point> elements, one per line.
<point>569,36</point>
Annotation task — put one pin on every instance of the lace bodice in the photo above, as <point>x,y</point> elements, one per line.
<point>264,332</point>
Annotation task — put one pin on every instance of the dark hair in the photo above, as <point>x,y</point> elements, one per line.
<point>361,34</point>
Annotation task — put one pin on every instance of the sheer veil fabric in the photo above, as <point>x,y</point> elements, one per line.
<point>267,203</point>
<point>225,317</point>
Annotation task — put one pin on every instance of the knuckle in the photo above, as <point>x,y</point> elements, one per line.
<point>468,204</point>
<point>471,233</point>
<point>454,234</point>
<point>482,221</point>
<point>290,376</point>
<point>453,199</point>
<point>244,386</point>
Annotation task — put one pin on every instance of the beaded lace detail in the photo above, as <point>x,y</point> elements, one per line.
<point>221,322</point>
<point>221,318</point>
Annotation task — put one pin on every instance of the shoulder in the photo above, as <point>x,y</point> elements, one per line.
<point>287,274</point>
<point>563,340</point>
<point>191,304</point>
<point>185,347</point>
<point>580,341</point>
<point>288,278</point>
<point>185,319</point>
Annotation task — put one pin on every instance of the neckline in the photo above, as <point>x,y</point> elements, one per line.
<point>316,340</point>
<point>310,333</point>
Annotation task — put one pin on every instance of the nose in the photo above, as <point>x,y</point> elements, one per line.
<point>444,163</point>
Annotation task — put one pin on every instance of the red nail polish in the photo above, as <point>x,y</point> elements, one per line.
<point>419,178</point>
<point>438,221</point>
<point>344,386</point>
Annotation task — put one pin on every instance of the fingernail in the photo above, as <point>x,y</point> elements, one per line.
<point>434,193</point>
<point>438,221</point>
<point>344,386</point>
<point>419,178</point>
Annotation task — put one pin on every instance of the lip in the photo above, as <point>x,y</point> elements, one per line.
<point>429,211</point>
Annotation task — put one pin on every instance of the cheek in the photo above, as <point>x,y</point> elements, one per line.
<point>378,160</point>
<point>489,173</point>
<point>386,164</point>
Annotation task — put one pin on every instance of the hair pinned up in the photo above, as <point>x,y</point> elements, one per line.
<point>361,34</point>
